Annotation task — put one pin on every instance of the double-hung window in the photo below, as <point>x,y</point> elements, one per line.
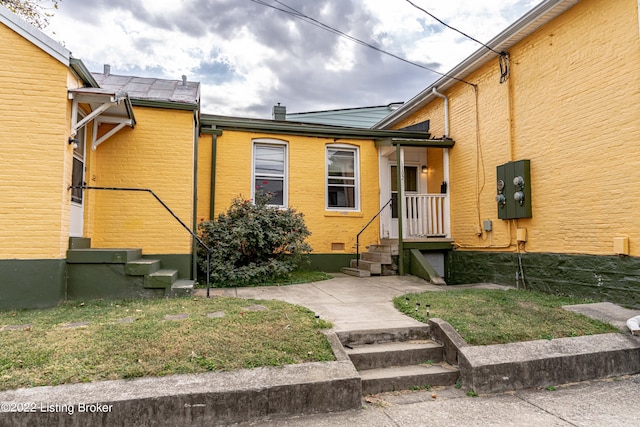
<point>343,192</point>
<point>270,171</point>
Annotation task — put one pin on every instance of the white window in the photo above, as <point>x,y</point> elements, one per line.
<point>270,170</point>
<point>343,192</point>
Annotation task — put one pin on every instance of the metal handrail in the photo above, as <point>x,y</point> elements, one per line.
<point>147,190</point>
<point>364,228</point>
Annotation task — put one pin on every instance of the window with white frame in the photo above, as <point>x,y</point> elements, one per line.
<point>270,170</point>
<point>343,192</point>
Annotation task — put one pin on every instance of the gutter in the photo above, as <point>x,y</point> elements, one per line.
<point>216,124</point>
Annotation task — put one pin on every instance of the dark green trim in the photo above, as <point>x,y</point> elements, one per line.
<point>415,142</point>
<point>214,124</point>
<point>33,283</point>
<point>212,190</point>
<point>400,190</point>
<point>419,266</point>
<point>428,246</point>
<point>331,263</point>
<point>165,104</point>
<point>599,277</point>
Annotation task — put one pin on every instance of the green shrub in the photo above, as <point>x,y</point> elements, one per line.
<point>253,243</point>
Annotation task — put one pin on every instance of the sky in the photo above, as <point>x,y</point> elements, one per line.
<point>249,57</point>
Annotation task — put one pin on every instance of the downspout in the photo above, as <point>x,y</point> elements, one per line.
<point>446,110</point>
<point>196,134</point>
<point>212,185</point>
<point>445,162</point>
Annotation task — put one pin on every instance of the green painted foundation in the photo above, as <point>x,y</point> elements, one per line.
<point>597,277</point>
<point>331,263</point>
<point>32,283</point>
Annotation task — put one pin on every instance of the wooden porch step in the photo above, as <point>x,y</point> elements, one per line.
<point>357,272</point>
<point>373,267</point>
<point>382,258</point>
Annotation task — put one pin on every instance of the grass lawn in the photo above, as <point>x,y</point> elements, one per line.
<point>126,339</point>
<point>485,317</point>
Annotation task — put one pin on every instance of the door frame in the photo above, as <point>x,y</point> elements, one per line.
<point>76,208</point>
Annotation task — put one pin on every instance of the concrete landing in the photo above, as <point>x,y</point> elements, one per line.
<point>606,312</point>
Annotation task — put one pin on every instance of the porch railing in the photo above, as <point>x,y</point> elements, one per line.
<point>424,215</point>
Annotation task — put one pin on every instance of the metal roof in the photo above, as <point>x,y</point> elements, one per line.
<point>537,17</point>
<point>361,117</point>
<point>152,91</point>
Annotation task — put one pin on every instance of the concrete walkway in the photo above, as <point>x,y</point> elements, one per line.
<point>609,402</point>
<point>350,303</point>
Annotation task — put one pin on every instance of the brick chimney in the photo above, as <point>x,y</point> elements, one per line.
<point>279,112</point>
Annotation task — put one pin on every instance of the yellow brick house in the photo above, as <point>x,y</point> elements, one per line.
<point>83,158</point>
<point>343,179</point>
<point>565,109</point>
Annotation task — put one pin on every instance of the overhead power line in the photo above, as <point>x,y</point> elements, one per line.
<point>504,56</point>
<point>297,14</point>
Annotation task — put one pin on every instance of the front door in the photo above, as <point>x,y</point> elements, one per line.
<point>410,186</point>
<point>77,178</point>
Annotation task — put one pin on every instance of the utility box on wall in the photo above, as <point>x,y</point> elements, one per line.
<point>514,190</point>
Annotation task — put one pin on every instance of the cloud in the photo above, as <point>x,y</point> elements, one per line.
<point>249,56</point>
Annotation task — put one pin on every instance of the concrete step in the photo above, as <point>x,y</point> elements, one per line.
<point>380,257</point>
<point>399,353</point>
<point>142,267</point>
<point>161,279</point>
<point>102,256</point>
<point>384,249</point>
<point>377,336</point>
<point>375,268</point>
<point>355,272</point>
<point>182,288</point>
<point>406,377</point>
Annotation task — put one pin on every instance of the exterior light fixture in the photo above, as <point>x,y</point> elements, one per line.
<point>424,169</point>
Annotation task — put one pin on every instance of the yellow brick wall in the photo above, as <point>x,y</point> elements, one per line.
<point>35,159</point>
<point>157,154</point>
<point>574,113</point>
<point>306,157</point>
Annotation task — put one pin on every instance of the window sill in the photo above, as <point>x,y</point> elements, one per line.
<point>344,214</point>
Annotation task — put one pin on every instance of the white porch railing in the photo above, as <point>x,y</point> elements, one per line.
<point>425,215</point>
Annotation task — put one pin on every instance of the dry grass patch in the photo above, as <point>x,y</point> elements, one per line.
<point>47,353</point>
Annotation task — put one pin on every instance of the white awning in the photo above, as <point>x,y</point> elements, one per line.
<point>107,107</point>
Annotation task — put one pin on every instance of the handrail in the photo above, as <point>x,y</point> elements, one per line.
<point>364,228</point>
<point>147,190</point>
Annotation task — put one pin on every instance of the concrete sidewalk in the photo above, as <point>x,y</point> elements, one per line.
<point>610,402</point>
<point>350,303</point>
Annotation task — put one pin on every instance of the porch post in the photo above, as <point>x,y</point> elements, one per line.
<point>400,203</point>
<point>447,199</point>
